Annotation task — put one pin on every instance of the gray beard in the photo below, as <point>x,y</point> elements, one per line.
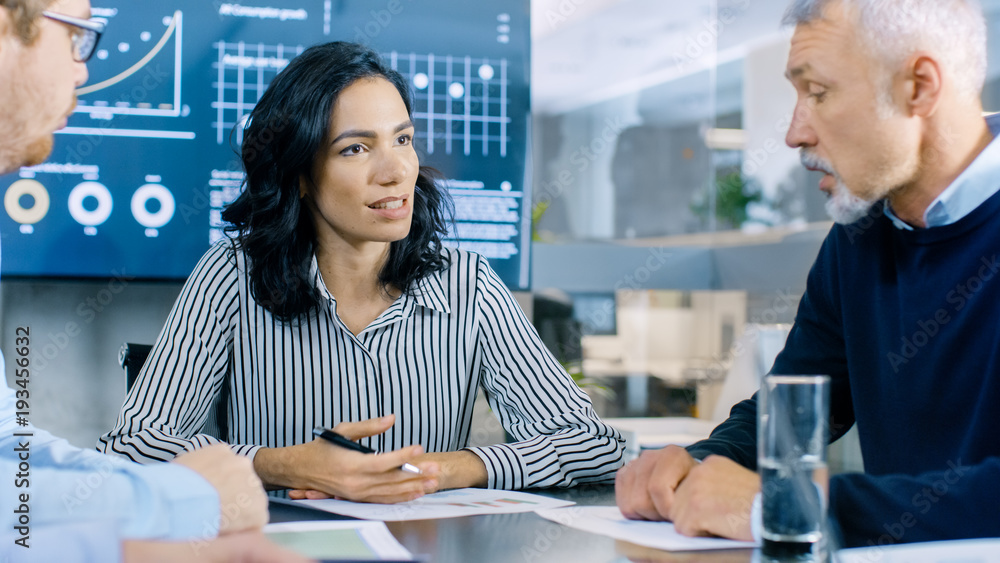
<point>846,208</point>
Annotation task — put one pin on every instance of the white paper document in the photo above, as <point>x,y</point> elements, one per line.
<point>446,504</point>
<point>608,521</point>
<point>356,540</point>
<point>964,551</point>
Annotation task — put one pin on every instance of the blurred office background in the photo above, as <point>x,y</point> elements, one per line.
<point>673,229</point>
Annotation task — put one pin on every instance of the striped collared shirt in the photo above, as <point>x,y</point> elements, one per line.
<point>423,360</point>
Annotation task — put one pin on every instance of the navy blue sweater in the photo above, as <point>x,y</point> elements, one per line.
<point>907,324</point>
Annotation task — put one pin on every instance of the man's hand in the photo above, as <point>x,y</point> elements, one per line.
<point>242,500</point>
<point>645,488</point>
<point>715,500</point>
<point>319,469</point>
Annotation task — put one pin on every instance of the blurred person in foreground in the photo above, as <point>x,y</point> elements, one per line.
<point>63,503</point>
<point>900,307</point>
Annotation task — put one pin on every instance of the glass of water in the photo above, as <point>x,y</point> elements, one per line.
<point>793,431</point>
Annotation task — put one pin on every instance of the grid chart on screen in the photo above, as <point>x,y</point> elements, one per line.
<point>461,104</point>
<point>243,72</point>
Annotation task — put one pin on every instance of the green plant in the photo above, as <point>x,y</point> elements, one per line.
<point>537,211</point>
<point>589,385</point>
<point>732,195</point>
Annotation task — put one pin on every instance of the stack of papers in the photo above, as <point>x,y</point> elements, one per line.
<point>608,521</point>
<point>446,504</point>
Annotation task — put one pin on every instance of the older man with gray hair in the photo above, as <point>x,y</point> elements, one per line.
<point>901,305</point>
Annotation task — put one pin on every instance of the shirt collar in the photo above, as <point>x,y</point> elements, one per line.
<point>974,185</point>
<point>427,292</point>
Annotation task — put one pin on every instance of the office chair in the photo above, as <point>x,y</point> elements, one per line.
<point>559,331</point>
<point>132,356</point>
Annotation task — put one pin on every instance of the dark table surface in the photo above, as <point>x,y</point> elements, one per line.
<point>524,537</point>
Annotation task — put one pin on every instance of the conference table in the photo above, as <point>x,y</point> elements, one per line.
<point>524,537</point>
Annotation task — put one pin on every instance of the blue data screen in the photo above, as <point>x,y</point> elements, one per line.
<point>137,181</point>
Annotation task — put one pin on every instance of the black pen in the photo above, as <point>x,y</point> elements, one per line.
<point>334,438</point>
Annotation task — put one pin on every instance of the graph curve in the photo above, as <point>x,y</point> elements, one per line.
<point>137,66</point>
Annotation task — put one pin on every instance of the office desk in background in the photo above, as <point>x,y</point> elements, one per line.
<point>525,537</point>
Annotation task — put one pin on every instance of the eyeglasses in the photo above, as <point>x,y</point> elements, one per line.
<point>84,42</point>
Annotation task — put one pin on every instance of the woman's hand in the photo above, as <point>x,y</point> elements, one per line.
<point>457,469</point>
<point>327,469</point>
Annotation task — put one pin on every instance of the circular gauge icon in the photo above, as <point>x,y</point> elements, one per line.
<point>18,212</point>
<point>155,219</point>
<point>90,217</point>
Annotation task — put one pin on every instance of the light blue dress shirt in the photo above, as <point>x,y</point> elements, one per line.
<point>83,542</point>
<point>81,504</point>
<point>972,187</point>
<point>69,486</point>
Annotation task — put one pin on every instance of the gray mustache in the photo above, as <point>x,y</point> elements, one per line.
<point>810,160</point>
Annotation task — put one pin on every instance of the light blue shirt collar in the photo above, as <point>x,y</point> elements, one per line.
<point>974,185</point>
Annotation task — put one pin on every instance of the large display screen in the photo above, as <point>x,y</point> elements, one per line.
<point>137,180</point>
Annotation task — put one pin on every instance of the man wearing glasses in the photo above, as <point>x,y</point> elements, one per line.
<point>66,504</point>
<point>39,78</point>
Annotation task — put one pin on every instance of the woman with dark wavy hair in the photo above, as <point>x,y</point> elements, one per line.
<point>336,305</point>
